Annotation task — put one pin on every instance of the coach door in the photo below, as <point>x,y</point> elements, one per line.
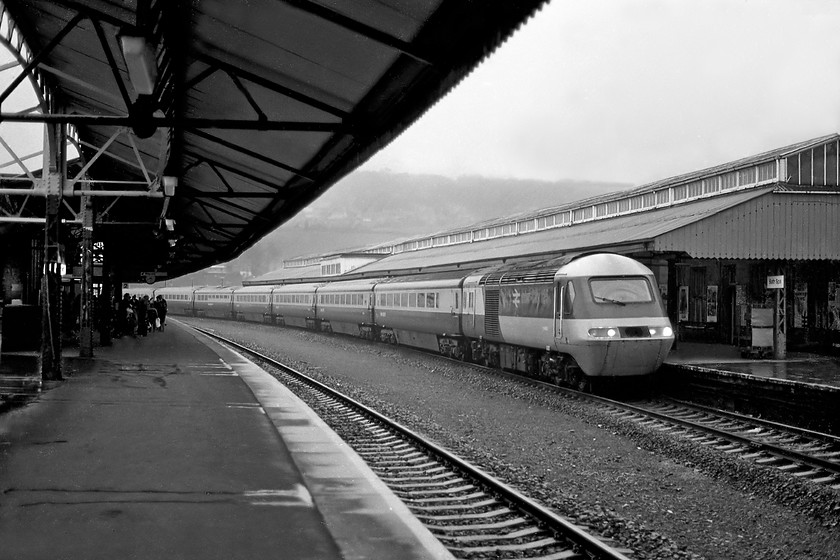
<point>559,297</point>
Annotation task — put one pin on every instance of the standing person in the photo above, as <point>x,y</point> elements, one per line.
<point>160,303</point>
<point>122,315</point>
<point>152,317</point>
<point>142,320</point>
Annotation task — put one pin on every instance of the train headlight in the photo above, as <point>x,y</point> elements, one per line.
<point>603,332</point>
<point>667,331</point>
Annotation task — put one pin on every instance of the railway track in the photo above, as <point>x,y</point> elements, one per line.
<point>804,454</point>
<point>801,453</point>
<point>473,514</point>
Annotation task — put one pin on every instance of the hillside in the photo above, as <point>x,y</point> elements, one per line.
<point>367,208</point>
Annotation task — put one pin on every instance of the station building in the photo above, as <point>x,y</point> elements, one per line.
<point>730,245</point>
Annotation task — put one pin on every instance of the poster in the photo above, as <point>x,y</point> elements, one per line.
<point>683,303</point>
<point>800,305</point>
<point>711,304</point>
<point>834,306</point>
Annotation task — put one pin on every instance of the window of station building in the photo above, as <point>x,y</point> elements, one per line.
<point>818,166</point>
<point>680,192</point>
<point>663,196</point>
<point>831,165</point>
<point>601,210</point>
<point>711,185</point>
<point>695,188</point>
<point>805,167</point>
<point>527,225</point>
<point>729,180</point>
<point>767,171</point>
<point>624,205</point>
<point>746,176</point>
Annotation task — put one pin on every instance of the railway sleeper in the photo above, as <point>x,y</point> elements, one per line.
<point>397,480</point>
<point>512,522</point>
<point>436,484</point>
<point>466,516</point>
<point>463,503</point>
<point>441,492</point>
<point>389,469</point>
<point>530,531</point>
<point>809,474</point>
<point>509,547</point>
<point>825,479</point>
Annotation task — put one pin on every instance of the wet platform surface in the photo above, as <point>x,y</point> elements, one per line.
<point>172,446</point>
<point>811,369</point>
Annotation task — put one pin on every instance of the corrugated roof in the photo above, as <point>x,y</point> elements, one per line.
<point>783,225</point>
<point>628,232</point>
<point>286,275</point>
<point>741,163</point>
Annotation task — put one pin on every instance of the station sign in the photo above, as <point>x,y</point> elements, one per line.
<point>151,277</point>
<point>775,282</point>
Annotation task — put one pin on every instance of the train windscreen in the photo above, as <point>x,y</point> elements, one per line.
<point>621,291</point>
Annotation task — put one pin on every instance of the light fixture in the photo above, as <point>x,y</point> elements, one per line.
<point>169,184</point>
<point>170,224</point>
<point>141,63</point>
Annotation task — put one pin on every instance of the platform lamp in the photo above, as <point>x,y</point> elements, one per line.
<point>141,63</point>
<point>169,184</point>
<point>142,72</point>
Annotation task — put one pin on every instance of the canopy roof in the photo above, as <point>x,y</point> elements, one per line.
<point>257,108</point>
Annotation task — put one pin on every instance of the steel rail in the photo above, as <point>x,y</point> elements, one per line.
<point>563,527</point>
<point>754,445</point>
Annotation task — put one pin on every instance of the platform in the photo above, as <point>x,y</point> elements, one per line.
<point>797,367</point>
<point>172,446</point>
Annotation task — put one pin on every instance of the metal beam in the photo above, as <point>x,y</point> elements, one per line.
<point>252,154</point>
<point>360,28</point>
<point>174,122</point>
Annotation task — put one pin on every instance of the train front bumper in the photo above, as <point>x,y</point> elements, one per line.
<point>622,357</point>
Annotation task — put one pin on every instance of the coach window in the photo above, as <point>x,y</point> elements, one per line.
<point>569,299</point>
<point>430,300</point>
<point>412,299</point>
<point>421,299</point>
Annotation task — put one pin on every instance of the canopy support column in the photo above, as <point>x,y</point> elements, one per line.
<point>55,163</point>
<point>780,321</point>
<point>86,311</point>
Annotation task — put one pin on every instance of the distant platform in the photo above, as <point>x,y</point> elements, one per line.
<point>798,367</point>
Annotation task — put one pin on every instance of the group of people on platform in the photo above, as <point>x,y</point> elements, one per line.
<point>139,316</point>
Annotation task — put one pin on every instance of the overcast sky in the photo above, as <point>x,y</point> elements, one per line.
<point>626,90</point>
<point>635,91</point>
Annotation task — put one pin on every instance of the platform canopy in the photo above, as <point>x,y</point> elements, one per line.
<point>248,109</point>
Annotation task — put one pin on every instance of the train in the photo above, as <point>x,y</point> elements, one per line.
<point>573,320</point>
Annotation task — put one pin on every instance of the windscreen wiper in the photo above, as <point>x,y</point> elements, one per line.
<point>615,301</point>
